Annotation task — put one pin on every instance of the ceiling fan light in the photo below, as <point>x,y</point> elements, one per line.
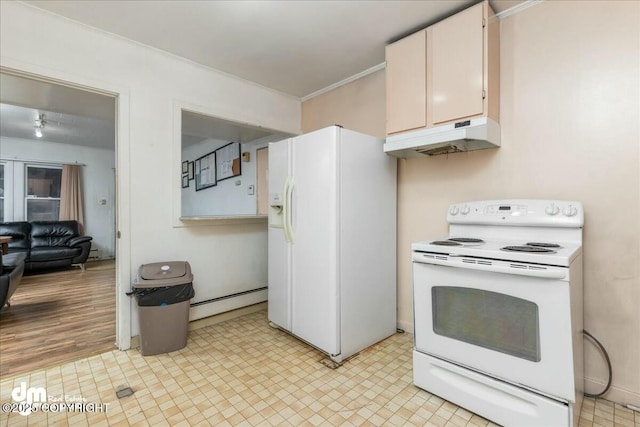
<point>39,125</point>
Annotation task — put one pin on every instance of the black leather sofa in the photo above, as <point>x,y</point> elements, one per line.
<point>47,244</point>
<point>11,270</point>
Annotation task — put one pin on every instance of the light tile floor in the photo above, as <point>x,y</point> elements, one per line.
<point>243,373</point>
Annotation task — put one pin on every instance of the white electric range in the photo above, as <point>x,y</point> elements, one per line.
<point>498,311</point>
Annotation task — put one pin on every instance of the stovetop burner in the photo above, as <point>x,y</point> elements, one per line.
<point>513,231</point>
<point>528,249</point>
<point>446,243</point>
<point>544,245</point>
<point>466,240</point>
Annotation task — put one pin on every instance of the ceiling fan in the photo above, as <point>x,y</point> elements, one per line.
<point>40,122</point>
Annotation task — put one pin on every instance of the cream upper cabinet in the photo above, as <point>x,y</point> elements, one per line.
<point>406,83</point>
<point>455,57</point>
<point>461,80</point>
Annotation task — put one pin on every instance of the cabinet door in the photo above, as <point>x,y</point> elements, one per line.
<point>456,64</point>
<point>406,83</point>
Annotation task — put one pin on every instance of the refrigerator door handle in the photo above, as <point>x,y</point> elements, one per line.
<point>285,210</point>
<point>288,218</point>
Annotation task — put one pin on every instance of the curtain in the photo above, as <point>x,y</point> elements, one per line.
<point>71,196</point>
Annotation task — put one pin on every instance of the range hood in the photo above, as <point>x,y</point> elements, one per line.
<point>468,135</point>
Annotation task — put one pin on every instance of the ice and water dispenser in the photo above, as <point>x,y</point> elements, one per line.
<point>276,210</point>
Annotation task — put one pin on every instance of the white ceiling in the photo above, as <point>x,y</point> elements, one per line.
<point>18,122</point>
<point>296,47</point>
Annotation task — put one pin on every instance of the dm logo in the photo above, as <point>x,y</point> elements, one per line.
<point>29,395</point>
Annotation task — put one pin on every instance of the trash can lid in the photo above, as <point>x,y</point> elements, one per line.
<point>164,270</point>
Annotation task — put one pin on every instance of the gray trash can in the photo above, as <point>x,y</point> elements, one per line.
<point>162,291</point>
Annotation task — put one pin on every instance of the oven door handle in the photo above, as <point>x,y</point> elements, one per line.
<point>519,269</point>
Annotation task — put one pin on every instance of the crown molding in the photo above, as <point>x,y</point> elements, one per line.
<point>517,8</point>
<point>345,81</point>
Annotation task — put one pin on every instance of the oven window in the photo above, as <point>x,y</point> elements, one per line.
<point>487,319</point>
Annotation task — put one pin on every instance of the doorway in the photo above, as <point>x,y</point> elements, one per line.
<point>262,171</point>
<point>46,124</point>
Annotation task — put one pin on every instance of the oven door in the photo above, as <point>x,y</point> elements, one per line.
<point>509,320</point>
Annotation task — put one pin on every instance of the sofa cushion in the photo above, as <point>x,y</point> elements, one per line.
<point>52,233</point>
<point>10,279</point>
<point>53,253</point>
<point>8,262</point>
<point>13,259</point>
<point>19,232</point>
<point>19,250</point>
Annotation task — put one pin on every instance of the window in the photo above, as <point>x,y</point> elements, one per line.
<point>1,193</point>
<point>42,198</point>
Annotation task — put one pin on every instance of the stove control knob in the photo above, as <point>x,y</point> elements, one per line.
<point>465,210</point>
<point>552,209</point>
<point>569,211</point>
<point>454,210</point>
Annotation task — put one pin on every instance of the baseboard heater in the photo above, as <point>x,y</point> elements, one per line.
<point>195,304</point>
<point>214,306</point>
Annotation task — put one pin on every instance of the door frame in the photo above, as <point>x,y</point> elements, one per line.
<point>123,178</point>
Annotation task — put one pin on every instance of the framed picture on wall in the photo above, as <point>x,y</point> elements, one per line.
<point>228,161</point>
<point>185,181</point>
<point>190,174</point>
<point>185,166</point>
<point>205,171</point>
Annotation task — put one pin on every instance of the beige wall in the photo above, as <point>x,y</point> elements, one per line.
<point>570,130</point>
<point>357,106</point>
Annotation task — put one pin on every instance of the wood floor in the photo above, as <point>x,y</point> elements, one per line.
<point>58,317</point>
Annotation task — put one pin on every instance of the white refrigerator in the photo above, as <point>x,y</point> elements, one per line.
<point>332,240</point>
